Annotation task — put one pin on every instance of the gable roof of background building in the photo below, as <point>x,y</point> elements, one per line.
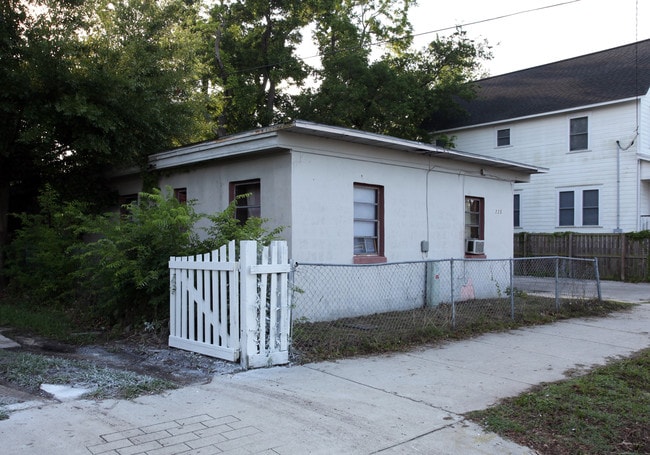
<point>611,75</point>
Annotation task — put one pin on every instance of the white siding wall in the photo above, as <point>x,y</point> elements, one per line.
<point>208,184</point>
<point>309,191</point>
<point>322,201</point>
<point>543,142</point>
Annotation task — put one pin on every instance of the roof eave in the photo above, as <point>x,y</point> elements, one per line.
<point>541,114</point>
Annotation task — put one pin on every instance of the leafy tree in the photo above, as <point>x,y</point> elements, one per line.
<point>403,93</point>
<point>92,84</point>
<point>112,265</point>
<point>250,47</point>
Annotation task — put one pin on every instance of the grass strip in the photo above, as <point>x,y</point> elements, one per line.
<point>401,330</point>
<point>606,411</point>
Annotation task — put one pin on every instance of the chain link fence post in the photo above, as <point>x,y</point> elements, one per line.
<point>512,288</point>
<point>597,275</point>
<point>557,283</point>
<point>453,300</point>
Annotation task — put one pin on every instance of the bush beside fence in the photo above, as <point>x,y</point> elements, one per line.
<point>350,309</point>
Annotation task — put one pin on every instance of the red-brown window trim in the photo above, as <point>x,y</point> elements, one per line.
<point>379,256</point>
<point>181,195</point>
<point>481,226</point>
<point>233,191</point>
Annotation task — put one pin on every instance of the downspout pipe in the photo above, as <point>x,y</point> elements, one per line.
<point>618,182</point>
<point>618,187</point>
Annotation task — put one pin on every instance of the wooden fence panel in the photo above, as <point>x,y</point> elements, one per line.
<point>200,297</point>
<point>230,309</point>
<point>622,257</point>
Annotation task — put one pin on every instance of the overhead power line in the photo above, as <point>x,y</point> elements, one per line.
<point>496,18</point>
<point>451,27</point>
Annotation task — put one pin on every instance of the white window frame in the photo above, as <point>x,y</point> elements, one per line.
<point>570,134</point>
<point>496,137</point>
<point>578,206</point>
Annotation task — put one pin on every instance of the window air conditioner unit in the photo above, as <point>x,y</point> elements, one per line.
<point>475,246</point>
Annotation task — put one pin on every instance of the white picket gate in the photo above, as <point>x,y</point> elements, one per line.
<point>232,309</point>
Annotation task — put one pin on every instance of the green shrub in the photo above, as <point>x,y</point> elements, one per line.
<point>224,227</point>
<point>39,265</point>
<point>115,266</point>
<point>125,271</point>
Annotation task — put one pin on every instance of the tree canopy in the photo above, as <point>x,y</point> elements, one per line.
<point>89,85</point>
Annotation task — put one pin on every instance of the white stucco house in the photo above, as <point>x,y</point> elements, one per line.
<point>586,119</point>
<point>346,196</point>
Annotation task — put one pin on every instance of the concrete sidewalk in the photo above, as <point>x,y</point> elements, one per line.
<point>394,404</point>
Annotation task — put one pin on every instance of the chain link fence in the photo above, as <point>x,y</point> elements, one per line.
<point>346,309</point>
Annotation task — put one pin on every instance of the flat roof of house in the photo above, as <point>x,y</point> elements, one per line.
<point>613,75</point>
<point>263,139</point>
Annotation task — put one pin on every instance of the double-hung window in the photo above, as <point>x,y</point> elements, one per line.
<point>474,217</point>
<point>503,137</point>
<point>579,133</point>
<point>590,208</point>
<point>368,223</point>
<point>567,208</point>
<point>248,197</point>
<point>474,226</point>
<point>579,207</point>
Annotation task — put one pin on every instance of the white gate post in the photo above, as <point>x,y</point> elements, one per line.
<point>248,301</point>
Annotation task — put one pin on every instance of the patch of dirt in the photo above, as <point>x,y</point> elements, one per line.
<point>145,354</point>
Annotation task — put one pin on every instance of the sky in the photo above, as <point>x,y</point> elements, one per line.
<point>548,34</point>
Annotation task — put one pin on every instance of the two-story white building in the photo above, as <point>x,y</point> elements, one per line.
<point>586,119</point>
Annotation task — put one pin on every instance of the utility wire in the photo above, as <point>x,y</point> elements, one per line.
<point>496,18</point>
<point>453,27</point>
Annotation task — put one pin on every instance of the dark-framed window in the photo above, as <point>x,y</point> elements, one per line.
<point>124,200</point>
<point>590,208</point>
<point>181,195</point>
<point>579,207</point>
<point>567,208</point>
<point>579,133</point>
<point>368,223</point>
<point>474,217</point>
<point>517,210</point>
<point>503,137</point>
<point>249,199</point>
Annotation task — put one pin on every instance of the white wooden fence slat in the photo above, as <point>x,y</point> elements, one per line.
<point>221,301</point>
<point>285,307</point>
<point>233,299</point>
<point>248,302</point>
<point>232,309</point>
<point>273,300</point>
<point>262,303</point>
<point>270,268</point>
<point>194,264</point>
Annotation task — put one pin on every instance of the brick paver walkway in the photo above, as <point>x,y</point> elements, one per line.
<point>201,434</point>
